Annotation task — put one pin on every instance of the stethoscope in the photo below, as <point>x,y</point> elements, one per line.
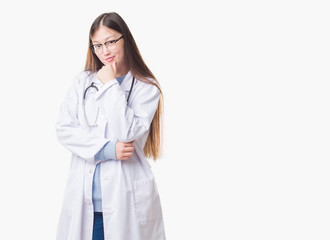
<point>96,88</point>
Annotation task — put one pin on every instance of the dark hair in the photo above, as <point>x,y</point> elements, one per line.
<point>137,67</point>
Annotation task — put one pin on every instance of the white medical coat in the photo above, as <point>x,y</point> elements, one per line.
<point>130,201</point>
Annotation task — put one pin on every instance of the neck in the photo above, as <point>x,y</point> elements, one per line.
<point>121,71</point>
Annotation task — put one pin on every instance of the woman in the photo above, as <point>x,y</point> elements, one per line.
<point>110,121</point>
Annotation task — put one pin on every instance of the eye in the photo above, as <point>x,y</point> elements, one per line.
<point>110,42</point>
<point>96,46</point>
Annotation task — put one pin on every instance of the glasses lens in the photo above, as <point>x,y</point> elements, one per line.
<point>110,45</point>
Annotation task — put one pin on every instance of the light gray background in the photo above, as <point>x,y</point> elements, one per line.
<point>246,135</point>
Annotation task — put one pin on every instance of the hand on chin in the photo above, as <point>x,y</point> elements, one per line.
<point>107,72</point>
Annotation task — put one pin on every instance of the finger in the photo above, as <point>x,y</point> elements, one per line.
<point>128,145</point>
<point>124,157</point>
<point>127,154</point>
<point>128,149</point>
<point>114,66</point>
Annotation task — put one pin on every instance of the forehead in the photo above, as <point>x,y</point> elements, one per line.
<point>103,33</point>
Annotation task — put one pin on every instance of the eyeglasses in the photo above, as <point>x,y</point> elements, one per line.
<point>98,48</point>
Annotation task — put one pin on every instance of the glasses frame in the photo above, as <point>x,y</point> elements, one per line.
<point>107,44</point>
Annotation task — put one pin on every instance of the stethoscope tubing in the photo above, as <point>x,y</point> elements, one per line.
<point>93,86</point>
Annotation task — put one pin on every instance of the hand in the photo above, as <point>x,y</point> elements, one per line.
<point>107,72</point>
<point>124,150</point>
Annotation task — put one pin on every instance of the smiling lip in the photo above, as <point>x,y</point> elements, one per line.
<point>109,59</point>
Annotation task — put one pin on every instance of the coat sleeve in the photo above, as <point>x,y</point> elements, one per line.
<point>81,141</point>
<point>128,122</point>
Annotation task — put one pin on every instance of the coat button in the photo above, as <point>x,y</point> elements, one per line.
<point>91,170</point>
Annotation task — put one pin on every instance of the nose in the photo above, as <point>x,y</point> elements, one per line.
<point>105,50</point>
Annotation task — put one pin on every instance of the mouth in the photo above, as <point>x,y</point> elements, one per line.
<point>109,59</point>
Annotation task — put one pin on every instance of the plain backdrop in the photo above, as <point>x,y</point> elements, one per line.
<point>246,121</point>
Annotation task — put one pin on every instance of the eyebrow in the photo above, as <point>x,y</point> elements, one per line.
<point>104,39</point>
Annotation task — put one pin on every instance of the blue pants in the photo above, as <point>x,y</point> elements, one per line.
<point>98,232</point>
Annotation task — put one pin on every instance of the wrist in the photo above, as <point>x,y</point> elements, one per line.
<point>110,150</point>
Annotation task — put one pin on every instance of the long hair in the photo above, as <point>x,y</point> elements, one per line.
<point>138,69</point>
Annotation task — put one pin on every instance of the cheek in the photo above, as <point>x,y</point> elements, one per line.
<point>119,52</point>
<point>102,61</point>
<point>119,55</point>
